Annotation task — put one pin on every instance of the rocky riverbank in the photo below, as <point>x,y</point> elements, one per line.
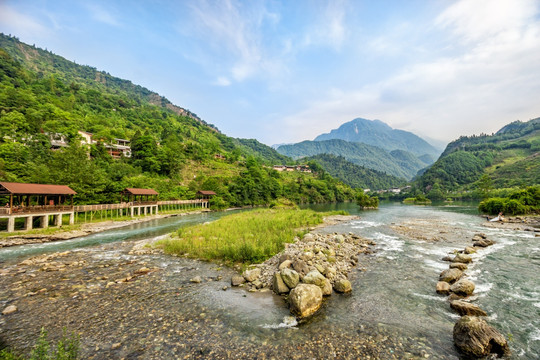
<point>84,229</point>
<point>472,334</point>
<point>129,301</point>
<point>310,268</point>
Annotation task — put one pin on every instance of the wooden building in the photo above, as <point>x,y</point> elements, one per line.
<point>205,194</point>
<point>36,200</point>
<point>141,200</point>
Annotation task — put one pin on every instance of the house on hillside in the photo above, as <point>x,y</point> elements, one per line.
<point>117,149</point>
<point>219,157</point>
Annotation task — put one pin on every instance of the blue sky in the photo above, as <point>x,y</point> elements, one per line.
<point>286,71</point>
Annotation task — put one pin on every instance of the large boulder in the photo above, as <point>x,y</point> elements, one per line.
<point>279,285</point>
<point>300,267</point>
<point>469,250</point>
<point>463,287</point>
<point>460,266</point>
<point>483,243</point>
<point>443,288</point>
<point>316,278</point>
<point>462,258</point>
<point>290,277</point>
<point>285,264</point>
<point>450,275</point>
<point>252,274</point>
<point>465,308</point>
<point>475,338</point>
<point>305,299</point>
<point>237,280</point>
<point>342,286</point>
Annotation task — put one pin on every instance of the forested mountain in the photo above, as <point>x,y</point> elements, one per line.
<point>397,163</point>
<point>378,133</point>
<point>354,175</point>
<point>268,154</point>
<point>45,100</point>
<point>510,157</point>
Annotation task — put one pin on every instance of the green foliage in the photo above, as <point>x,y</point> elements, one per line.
<point>264,153</point>
<point>351,174</point>
<point>67,348</point>
<point>524,201</point>
<point>247,237</point>
<point>482,163</point>
<point>372,157</point>
<point>419,199</point>
<point>366,202</point>
<point>43,96</point>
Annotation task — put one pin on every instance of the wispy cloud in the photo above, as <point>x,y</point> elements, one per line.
<point>102,15</point>
<point>235,33</point>
<point>329,29</point>
<point>222,81</point>
<point>491,78</point>
<point>20,24</point>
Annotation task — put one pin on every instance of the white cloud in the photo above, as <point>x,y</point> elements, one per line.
<point>20,24</point>
<point>481,19</point>
<point>222,81</point>
<point>234,31</point>
<point>329,28</point>
<point>492,80</point>
<point>102,15</point>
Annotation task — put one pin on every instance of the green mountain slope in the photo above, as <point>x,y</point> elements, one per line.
<point>378,133</point>
<point>358,153</point>
<point>510,157</point>
<point>267,154</point>
<point>354,175</point>
<point>44,97</point>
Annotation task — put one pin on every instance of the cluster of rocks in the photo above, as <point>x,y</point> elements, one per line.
<point>308,269</point>
<point>472,335</point>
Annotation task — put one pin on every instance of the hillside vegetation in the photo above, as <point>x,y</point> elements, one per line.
<point>44,96</point>
<point>397,163</point>
<point>354,175</point>
<point>508,158</point>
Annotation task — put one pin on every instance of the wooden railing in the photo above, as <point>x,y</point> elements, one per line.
<point>180,202</point>
<point>35,209</point>
<point>98,207</point>
<point>83,208</point>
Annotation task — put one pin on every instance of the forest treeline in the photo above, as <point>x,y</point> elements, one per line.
<point>43,96</point>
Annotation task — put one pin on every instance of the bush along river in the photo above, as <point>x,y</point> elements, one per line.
<point>130,301</point>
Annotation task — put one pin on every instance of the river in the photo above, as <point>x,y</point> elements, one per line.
<point>393,304</point>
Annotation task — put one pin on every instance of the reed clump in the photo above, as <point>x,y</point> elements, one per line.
<point>247,237</point>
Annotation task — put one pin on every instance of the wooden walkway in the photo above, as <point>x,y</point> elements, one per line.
<point>134,208</point>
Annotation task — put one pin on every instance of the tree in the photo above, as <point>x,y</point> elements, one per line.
<point>484,185</point>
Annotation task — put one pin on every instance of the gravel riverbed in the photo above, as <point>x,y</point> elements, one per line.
<point>130,302</point>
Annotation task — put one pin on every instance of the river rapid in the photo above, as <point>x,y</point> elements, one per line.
<point>393,311</point>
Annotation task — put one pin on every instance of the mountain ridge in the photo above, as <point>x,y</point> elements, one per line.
<point>380,134</point>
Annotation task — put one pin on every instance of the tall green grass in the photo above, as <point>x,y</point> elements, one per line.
<point>247,237</point>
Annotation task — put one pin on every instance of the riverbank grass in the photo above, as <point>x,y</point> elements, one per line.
<point>247,237</point>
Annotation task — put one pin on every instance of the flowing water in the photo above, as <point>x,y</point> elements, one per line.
<point>393,300</point>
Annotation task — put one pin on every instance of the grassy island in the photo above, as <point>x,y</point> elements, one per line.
<point>417,200</point>
<point>246,237</point>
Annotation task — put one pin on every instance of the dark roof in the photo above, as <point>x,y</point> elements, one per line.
<point>35,189</point>
<point>206,192</point>
<point>135,191</point>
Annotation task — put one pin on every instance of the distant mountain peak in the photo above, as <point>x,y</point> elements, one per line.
<point>379,133</point>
